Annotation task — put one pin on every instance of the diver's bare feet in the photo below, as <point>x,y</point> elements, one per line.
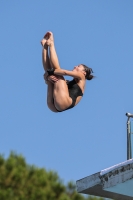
<point>45,38</point>
<point>50,38</point>
<point>43,42</point>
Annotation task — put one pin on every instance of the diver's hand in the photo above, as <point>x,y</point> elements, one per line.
<point>51,78</point>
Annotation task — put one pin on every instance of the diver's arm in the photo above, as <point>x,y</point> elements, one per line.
<point>64,72</point>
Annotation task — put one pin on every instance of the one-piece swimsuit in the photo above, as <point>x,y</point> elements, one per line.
<point>74,92</point>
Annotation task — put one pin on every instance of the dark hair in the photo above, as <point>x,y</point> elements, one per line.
<point>88,71</point>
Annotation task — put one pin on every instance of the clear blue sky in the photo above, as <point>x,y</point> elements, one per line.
<point>91,136</point>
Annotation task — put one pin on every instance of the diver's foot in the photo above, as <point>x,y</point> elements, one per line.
<point>43,42</point>
<point>50,38</point>
<point>50,42</point>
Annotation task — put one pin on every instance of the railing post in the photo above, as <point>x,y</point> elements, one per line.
<point>129,152</point>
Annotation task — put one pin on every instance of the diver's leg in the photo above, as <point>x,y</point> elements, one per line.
<point>45,57</point>
<point>53,55</point>
<point>62,100</point>
<point>50,100</point>
<point>47,65</point>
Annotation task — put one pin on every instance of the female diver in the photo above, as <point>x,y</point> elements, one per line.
<point>61,94</point>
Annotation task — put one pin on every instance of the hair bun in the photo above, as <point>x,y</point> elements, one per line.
<point>90,77</point>
<point>88,71</point>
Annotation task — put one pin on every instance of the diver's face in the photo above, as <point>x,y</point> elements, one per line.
<point>78,68</point>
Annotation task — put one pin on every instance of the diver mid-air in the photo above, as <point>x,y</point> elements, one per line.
<point>62,94</point>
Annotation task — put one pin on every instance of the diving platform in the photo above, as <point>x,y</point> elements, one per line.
<point>115,182</point>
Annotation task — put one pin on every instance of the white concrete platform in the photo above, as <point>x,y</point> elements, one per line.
<point>115,182</point>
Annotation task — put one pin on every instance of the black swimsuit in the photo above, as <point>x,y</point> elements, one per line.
<point>74,92</point>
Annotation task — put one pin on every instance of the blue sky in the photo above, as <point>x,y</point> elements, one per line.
<point>91,136</point>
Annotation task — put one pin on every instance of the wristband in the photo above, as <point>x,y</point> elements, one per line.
<point>50,71</point>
